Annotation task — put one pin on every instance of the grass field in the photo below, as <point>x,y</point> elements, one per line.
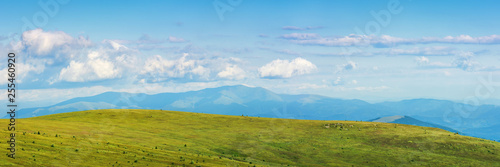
<point>168,138</point>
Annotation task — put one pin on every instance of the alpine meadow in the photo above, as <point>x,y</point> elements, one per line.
<point>250,83</point>
<point>123,137</point>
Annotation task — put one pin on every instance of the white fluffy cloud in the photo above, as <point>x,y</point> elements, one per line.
<point>160,68</point>
<point>43,42</point>
<point>425,62</point>
<point>232,72</point>
<point>115,45</point>
<point>26,69</point>
<point>22,70</point>
<point>95,67</point>
<point>464,61</point>
<point>286,69</point>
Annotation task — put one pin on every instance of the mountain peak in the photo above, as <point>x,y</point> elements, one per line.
<point>388,119</point>
<point>410,121</point>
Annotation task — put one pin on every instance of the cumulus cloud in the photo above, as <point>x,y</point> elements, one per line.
<point>44,42</point>
<point>159,68</point>
<point>116,45</point>
<point>232,72</point>
<point>465,62</point>
<point>95,67</point>
<point>24,69</point>
<point>384,40</point>
<point>285,69</point>
<point>424,62</point>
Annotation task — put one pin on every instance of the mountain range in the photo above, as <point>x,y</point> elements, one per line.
<point>397,119</point>
<point>481,121</point>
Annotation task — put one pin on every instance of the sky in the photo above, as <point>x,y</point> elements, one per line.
<point>370,50</point>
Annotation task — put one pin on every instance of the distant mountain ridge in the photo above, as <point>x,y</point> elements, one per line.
<point>256,101</point>
<point>410,121</point>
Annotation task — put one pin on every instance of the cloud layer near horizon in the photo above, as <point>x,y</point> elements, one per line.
<point>56,58</point>
<point>384,40</point>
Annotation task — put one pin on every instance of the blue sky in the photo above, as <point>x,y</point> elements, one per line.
<point>369,50</point>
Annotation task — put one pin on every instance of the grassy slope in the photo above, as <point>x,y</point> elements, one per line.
<point>158,138</point>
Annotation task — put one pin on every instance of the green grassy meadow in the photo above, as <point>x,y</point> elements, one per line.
<point>123,137</point>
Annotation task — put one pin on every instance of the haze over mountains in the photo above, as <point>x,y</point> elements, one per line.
<point>482,121</point>
<point>410,121</point>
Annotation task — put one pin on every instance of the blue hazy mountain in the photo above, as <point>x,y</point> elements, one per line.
<point>472,120</point>
<point>491,132</point>
<point>256,101</point>
<point>410,121</point>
